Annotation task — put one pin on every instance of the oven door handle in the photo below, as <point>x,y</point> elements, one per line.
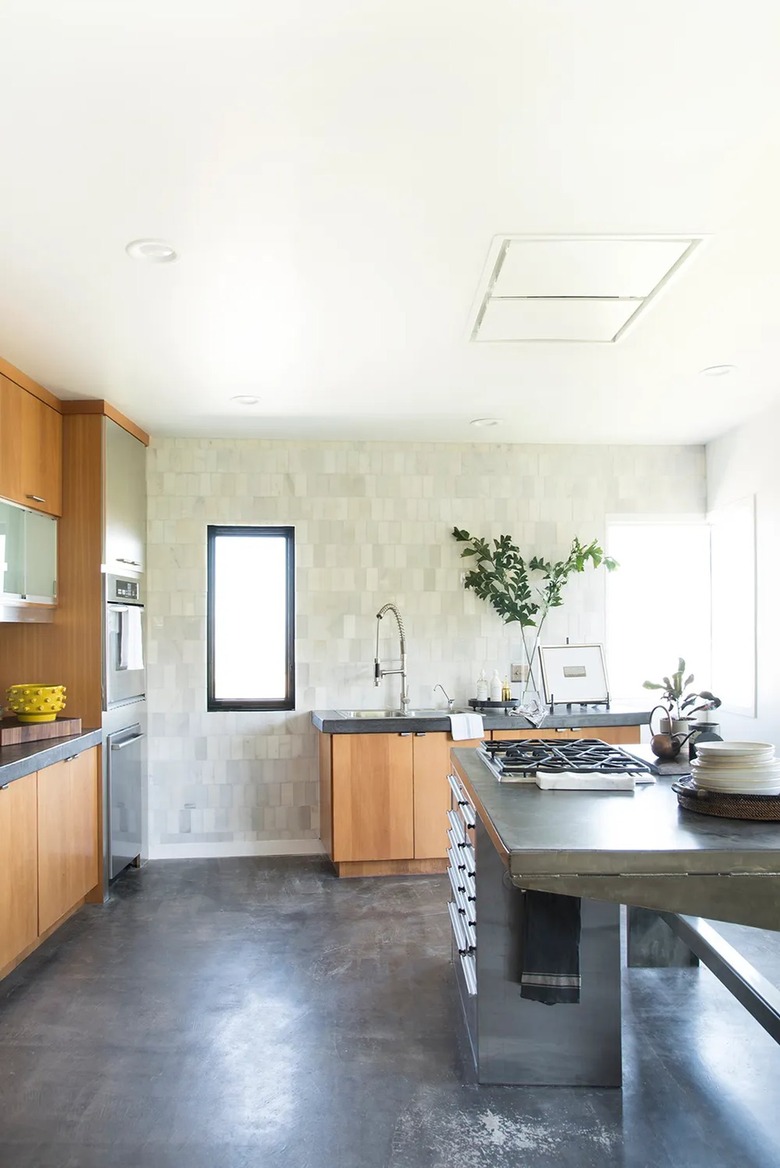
<point>126,742</point>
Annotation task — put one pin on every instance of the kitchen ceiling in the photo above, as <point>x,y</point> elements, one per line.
<point>333,177</point>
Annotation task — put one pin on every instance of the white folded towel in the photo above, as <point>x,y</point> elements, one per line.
<point>463,726</point>
<point>131,642</point>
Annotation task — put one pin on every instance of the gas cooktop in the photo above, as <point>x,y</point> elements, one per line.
<point>541,761</point>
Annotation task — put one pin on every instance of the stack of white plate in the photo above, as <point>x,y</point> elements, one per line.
<point>737,768</point>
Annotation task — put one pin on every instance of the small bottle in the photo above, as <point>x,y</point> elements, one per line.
<point>495,687</point>
<point>506,692</point>
<point>482,687</point>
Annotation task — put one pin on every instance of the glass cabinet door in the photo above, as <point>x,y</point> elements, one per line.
<point>11,549</point>
<point>40,557</point>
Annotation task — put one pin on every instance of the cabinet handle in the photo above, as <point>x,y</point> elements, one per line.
<point>70,758</point>
<point>35,498</point>
<point>420,733</point>
<point>132,563</point>
<point>5,787</point>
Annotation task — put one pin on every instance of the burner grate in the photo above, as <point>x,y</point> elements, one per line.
<point>576,756</point>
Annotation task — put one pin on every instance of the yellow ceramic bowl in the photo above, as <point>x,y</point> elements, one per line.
<point>35,703</point>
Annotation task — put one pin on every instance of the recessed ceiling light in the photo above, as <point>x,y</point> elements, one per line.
<point>245,399</point>
<point>486,421</point>
<point>717,370</point>
<point>154,251</point>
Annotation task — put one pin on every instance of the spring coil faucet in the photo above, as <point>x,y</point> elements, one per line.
<point>379,672</point>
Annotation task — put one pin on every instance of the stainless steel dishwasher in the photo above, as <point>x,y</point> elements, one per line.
<point>125,750</point>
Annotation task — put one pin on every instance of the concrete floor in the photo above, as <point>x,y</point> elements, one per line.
<point>258,1012</point>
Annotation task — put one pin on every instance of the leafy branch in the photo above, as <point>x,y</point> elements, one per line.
<point>523,591</point>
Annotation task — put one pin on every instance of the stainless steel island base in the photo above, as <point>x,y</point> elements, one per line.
<point>509,1040</point>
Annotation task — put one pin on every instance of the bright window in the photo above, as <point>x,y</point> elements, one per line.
<point>251,618</point>
<point>658,605</point>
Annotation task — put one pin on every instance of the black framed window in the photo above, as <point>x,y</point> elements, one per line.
<point>250,629</point>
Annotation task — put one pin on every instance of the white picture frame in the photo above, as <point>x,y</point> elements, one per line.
<point>574,674</point>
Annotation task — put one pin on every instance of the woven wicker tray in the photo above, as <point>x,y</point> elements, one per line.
<point>726,806</point>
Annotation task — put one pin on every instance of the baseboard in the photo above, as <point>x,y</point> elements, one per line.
<point>206,851</point>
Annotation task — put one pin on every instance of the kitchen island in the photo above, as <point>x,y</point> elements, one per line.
<point>609,848</point>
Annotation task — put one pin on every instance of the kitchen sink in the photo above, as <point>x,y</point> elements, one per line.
<point>391,713</point>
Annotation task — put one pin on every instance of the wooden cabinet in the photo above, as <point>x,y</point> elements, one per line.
<point>616,735</point>
<point>384,798</point>
<point>125,500</point>
<point>41,456</point>
<point>18,869</point>
<point>49,851</point>
<point>30,449</point>
<point>372,797</point>
<point>432,792</point>
<point>68,865</point>
<point>11,396</point>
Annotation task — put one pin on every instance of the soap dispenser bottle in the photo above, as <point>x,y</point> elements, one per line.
<point>482,687</point>
<point>495,687</point>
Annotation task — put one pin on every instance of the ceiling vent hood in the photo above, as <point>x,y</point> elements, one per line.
<point>573,288</point>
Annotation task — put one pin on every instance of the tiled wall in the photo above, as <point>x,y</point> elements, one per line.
<point>373,524</point>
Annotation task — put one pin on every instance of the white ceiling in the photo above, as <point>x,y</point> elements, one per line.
<point>333,173</point>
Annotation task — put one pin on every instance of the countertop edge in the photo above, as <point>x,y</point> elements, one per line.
<point>331,722</point>
<point>26,757</point>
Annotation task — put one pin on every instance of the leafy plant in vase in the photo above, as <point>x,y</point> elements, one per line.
<point>523,591</point>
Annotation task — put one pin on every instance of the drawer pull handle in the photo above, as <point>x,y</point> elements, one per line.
<point>469,973</point>
<point>461,940</point>
<point>36,498</point>
<point>126,742</point>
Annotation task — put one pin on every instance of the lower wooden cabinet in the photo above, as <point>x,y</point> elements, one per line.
<point>432,792</point>
<point>616,735</point>
<point>385,796</point>
<point>49,851</point>
<point>373,794</point>
<point>18,868</point>
<point>67,835</point>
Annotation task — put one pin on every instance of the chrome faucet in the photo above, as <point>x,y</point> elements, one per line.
<point>450,701</point>
<point>379,672</point>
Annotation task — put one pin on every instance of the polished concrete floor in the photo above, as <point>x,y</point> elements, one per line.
<point>254,1013</point>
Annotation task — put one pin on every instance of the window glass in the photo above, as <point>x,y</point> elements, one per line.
<point>658,606</point>
<point>251,618</point>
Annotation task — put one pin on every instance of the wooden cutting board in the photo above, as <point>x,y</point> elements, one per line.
<point>12,732</point>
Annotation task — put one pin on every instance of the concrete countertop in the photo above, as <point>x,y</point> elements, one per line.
<point>26,757</point>
<point>333,722</point>
<point>636,847</point>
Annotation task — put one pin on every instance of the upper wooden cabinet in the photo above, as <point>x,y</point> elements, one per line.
<point>41,456</point>
<point>10,439</point>
<point>30,449</point>
<point>125,500</point>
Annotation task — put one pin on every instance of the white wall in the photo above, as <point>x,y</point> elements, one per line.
<point>373,524</point>
<point>742,463</point>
